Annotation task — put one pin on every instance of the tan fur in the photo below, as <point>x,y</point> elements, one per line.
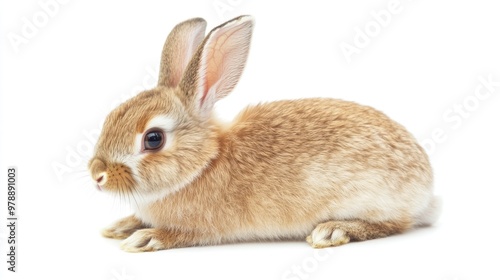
<point>280,170</point>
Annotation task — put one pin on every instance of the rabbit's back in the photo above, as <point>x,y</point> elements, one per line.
<point>304,161</point>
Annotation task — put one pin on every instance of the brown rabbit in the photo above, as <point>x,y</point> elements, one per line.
<point>329,170</point>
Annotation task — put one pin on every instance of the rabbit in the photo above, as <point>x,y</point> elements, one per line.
<point>321,170</point>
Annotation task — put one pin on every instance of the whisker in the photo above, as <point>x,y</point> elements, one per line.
<point>81,170</point>
<point>83,176</point>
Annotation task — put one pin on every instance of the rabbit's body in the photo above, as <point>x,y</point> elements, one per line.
<point>280,170</point>
<point>263,183</point>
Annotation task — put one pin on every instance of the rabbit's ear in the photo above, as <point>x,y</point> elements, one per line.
<point>181,44</point>
<point>217,65</point>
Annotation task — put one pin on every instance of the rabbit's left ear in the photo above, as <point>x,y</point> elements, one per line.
<point>181,44</point>
<point>217,65</point>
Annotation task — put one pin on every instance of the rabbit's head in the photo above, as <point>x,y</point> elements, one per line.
<point>162,139</point>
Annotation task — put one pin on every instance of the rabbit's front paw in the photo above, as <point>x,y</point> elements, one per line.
<point>144,240</point>
<point>122,228</point>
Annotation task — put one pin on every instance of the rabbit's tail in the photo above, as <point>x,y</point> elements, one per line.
<point>431,214</point>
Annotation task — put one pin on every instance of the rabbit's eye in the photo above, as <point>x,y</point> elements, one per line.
<point>153,140</point>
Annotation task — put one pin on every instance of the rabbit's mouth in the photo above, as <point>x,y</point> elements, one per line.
<point>98,187</point>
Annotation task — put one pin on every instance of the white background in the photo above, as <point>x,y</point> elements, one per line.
<point>59,83</point>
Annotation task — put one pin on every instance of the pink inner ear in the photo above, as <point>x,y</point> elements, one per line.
<point>204,96</point>
<point>220,49</point>
<point>213,68</point>
<point>222,61</point>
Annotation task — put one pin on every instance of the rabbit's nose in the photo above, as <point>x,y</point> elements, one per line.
<point>97,169</point>
<point>101,177</point>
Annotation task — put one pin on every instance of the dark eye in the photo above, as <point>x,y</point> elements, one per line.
<point>153,140</point>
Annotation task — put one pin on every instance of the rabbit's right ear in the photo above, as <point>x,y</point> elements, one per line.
<point>181,44</point>
<point>217,66</point>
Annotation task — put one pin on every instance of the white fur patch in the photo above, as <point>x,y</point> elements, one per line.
<point>133,242</point>
<point>319,235</point>
<point>364,194</point>
<point>338,236</point>
<point>164,122</point>
<point>144,199</point>
<point>155,244</point>
<point>136,242</point>
<point>138,143</point>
